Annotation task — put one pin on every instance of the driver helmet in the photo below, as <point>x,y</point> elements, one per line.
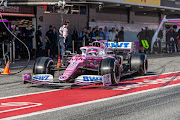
<point>93,52</point>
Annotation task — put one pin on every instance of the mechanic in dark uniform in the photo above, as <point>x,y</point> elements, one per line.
<point>29,37</point>
<point>175,36</point>
<point>17,44</point>
<point>75,38</point>
<point>39,42</point>
<point>171,45</point>
<point>157,46</point>
<point>141,36</point>
<point>121,35</point>
<point>53,43</point>
<point>84,36</point>
<point>49,39</point>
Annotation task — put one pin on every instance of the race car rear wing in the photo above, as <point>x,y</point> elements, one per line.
<point>119,46</point>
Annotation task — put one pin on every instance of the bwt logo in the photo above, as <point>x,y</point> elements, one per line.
<point>41,77</point>
<point>117,45</point>
<point>91,78</point>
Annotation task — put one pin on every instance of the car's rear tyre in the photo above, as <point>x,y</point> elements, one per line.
<point>139,63</point>
<point>43,65</point>
<point>110,66</point>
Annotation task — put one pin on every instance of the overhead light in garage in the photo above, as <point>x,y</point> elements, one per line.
<point>127,5</point>
<point>75,11</point>
<point>69,5</point>
<point>162,9</point>
<point>140,7</point>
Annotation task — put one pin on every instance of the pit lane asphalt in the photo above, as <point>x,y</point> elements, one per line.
<point>154,105</point>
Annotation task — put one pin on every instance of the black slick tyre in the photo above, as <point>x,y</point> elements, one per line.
<point>43,65</point>
<point>110,66</point>
<point>139,63</point>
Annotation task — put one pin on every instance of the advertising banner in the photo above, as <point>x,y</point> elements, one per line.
<point>148,2</point>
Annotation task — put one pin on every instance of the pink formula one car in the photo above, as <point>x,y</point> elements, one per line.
<point>103,62</point>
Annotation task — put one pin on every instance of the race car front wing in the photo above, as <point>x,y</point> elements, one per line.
<point>80,80</point>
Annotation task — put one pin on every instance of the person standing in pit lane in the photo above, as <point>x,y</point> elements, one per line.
<point>147,38</point>
<point>93,35</point>
<point>112,35</point>
<point>75,38</point>
<point>84,37</point>
<point>175,36</point>
<point>64,37</point>
<point>97,30</point>
<point>101,34</point>
<point>121,35</point>
<point>106,33</point>
<point>39,42</point>
<point>53,43</point>
<point>157,46</point>
<point>17,44</point>
<point>171,45</point>
<point>29,36</point>
<point>90,33</point>
<point>49,39</point>
<point>141,36</point>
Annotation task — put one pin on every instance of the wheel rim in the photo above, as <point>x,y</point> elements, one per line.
<point>145,67</point>
<point>116,73</point>
<point>48,68</point>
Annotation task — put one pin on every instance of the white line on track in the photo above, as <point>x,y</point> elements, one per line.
<point>30,94</point>
<point>86,103</point>
<point>30,106</point>
<point>150,75</point>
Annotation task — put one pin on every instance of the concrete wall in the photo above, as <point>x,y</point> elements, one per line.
<point>107,16</point>
<point>146,19</point>
<point>122,17</point>
<point>143,18</point>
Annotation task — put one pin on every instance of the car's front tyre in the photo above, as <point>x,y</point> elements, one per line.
<point>43,65</point>
<point>110,66</point>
